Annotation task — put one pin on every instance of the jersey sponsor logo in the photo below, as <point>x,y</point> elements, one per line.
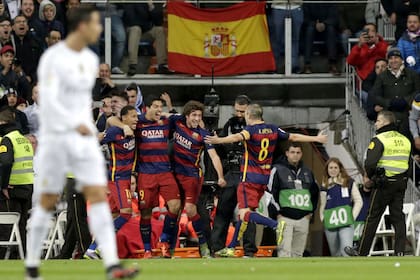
<point>181,140</point>
<point>195,135</point>
<point>153,134</point>
<point>3,149</point>
<point>130,145</point>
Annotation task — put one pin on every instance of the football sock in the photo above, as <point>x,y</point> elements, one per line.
<point>198,227</point>
<point>254,217</point>
<point>169,226</point>
<point>38,229</point>
<point>101,226</point>
<point>146,232</point>
<point>234,241</point>
<point>93,246</point>
<point>121,220</point>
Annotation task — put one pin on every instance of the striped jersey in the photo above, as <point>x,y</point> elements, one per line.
<point>259,150</point>
<point>152,144</point>
<point>123,153</point>
<point>188,147</point>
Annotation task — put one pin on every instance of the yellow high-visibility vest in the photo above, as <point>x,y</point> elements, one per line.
<point>22,169</point>
<point>396,155</point>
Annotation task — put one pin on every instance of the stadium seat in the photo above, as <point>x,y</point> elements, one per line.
<point>382,232</point>
<point>12,218</point>
<point>55,239</point>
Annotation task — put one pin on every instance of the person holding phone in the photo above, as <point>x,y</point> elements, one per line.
<point>367,51</point>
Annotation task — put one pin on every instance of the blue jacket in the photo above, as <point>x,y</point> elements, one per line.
<point>410,48</point>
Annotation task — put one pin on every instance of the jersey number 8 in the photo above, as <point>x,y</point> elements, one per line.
<point>263,154</point>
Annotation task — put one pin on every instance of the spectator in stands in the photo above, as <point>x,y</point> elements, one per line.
<point>27,47</point>
<point>409,43</point>
<point>5,32</point>
<point>117,33</point>
<point>11,75</point>
<point>370,48</point>
<point>118,101</point>
<point>414,120</point>
<point>21,104</point>
<point>3,12</point>
<point>72,4</point>
<point>394,89</point>
<point>376,10</point>
<point>339,194</point>
<point>104,84</point>
<point>20,117</point>
<point>323,19</point>
<point>35,26</point>
<point>105,113</point>
<point>401,10</point>
<point>145,20</point>
<point>53,37</point>
<point>367,85</point>
<point>279,11</point>
<point>47,15</point>
<point>12,8</point>
<point>32,112</point>
<point>352,21</point>
<point>132,93</point>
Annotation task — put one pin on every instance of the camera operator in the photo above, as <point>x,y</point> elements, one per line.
<point>387,165</point>
<point>227,198</point>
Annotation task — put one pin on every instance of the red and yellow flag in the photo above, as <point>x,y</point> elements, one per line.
<point>234,40</point>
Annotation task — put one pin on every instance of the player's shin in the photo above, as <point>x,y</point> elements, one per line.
<point>197,224</point>
<point>121,220</point>
<point>146,232</point>
<point>38,229</point>
<point>101,226</point>
<point>169,226</point>
<point>254,217</point>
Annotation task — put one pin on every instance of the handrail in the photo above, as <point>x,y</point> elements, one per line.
<point>231,2</point>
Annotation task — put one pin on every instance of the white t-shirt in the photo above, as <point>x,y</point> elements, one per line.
<point>66,78</point>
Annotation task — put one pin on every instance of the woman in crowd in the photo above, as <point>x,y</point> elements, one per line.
<point>340,205</point>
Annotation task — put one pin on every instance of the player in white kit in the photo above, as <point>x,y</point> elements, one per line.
<point>68,143</point>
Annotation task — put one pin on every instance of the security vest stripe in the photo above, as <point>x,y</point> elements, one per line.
<point>22,171</point>
<point>396,154</point>
<point>23,159</point>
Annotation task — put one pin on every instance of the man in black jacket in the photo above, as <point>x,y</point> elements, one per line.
<point>394,89</point>
<point>145,20</point>
<point>296,192</point>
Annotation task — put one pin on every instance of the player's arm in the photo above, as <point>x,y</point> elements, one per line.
<point>217,164</point>
<point>115,121</point>
<point>233,138</point>
<point>320,138</point>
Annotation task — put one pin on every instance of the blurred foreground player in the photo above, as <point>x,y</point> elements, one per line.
<point>260,140</point>
<point>67,140</point>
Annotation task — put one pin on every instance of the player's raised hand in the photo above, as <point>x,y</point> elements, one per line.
<point>322,137</point>
<point>222,182</point>
<point>212,139</point>
<point>84,130</point>
<point>128,132</point>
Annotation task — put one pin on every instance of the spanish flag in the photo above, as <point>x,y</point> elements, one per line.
<point>234,40</point>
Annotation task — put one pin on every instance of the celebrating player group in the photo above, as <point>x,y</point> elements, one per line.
<point>68,143</point>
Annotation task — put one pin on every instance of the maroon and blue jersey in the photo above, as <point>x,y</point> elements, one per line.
<point>259,150</point>
<point>152,144</point>
<point>123,153</point>
<point>188,147</point>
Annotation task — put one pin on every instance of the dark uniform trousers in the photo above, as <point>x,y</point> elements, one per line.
<point>225,209</point>
<point>20,201</point>
<point>390,194</point>
<point>77,230</point>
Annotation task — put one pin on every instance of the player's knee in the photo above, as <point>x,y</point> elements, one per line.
<point>174,205</point>
<point>48,201</point>
<point>191,209</point>
<point>95,194</point>
<point>242,213</point>
<point>146,213</point>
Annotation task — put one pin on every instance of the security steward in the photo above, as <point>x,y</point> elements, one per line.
<point>227,202</point>
<point>387,166</point>
<point>16,174</point>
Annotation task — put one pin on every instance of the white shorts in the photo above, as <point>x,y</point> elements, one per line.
<point>58,155</point>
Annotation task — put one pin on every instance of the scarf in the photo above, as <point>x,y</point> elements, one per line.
<point>398,73</point>
<point>413,35</point>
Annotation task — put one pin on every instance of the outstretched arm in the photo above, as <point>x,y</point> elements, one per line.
<point>320,138</point>
<point>233,138</point>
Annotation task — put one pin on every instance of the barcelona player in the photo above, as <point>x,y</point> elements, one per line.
<point>260,140</point>
<point>188,148</point>
<point>123,153</point>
